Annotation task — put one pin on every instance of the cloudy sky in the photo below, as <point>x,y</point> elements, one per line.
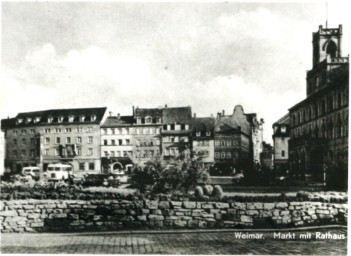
<point>211,55</point>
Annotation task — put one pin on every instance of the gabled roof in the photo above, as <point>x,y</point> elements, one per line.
<point>203,123</point>
<point>284,120</point>
<point>115,121</point>
<point>144,112</point>
<point>179,115</point>
<point>55,114</point>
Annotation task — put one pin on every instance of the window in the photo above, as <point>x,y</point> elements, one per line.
<point>106,153</point>
<point>216,155</point>
<point>229,155</point>
<point>105,142</point>
<point>14,141</point>
<point>159,120</point>
<point>79,151</point>
<point>112,153</point>
<point>57,152</point>
<point>71,119</point>
<point>93,118</point>
<point>208,133</point>
<point>79,129</point>
<point>118,153</point>
<point>138,131</point>
<point>127,142</point>
<point>15,132</point>
<point>157,131</point>
<point>186,127</point>
<point>32,154</point>
<point>217,142</point>
<point>50,119</point>
<point>229,143</point>
<point>89,129</point>
<point>152,130</point>
<point>37,119</point>
<point>58,140</point>
<point>113,131</point>
<point>32,131</point>
<point>68,130</point>
<point>138,120</point>
<point>157,142</point>
<point>120,142</point>
<point>68,140</point>
<point>79,139</point>
<point>283,153</point>
<point>23,152</point>
<point>47,130</point>
<point>32,141</point>
<point>23,132</point>
<point>148,120</point>
<point>81,118</point>
<point>177,127</point>
<point>104,131</point>
<point>57,130</point>
<point>283,129</point>
<point>28,120</point>
<point>90,151</point>
<point>47,152</point>
<point>15,153</point>
<point>47,141</point>
<point>198,134</point>
<point>91,166</point>
<point>223,143</point>
<point>60,119</point>
<point>146,131</point>
<point>223,155</point>
<point>19,120</point>
<point>185,139</point>
<point>90,139</point>
<point>81,166</point>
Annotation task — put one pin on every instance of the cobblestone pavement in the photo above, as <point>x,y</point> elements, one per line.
<point>176,243</point>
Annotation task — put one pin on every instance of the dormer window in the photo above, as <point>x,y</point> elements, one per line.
<point>93,118</point>
<point>19,120</point>
<point>70,118</point>
<point>283,129</point>
<point>37,119</point>
<point>60,119</point>
<point>50,119</point>
<point>198,134</point>
<point>138,120</point>
<point>81,118</point>
<point>28,120</point>
<point>148,120</point>
<point>208,133</point>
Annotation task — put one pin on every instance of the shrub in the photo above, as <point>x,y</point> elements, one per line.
<point>218,191</point>
<point>199,193</point>
<point>208,190</point>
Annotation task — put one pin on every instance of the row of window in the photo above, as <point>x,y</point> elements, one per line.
<point>331,133</point>
<point>118,153</point>
<point>226,143</point>
<point>148,120</point>
<point>126,131</point>
<point>171,151</point>
<point>201,143</point>
<point>68,140</point>
<point>50,119</point>
<point>58,152</point>
<point>55,130</point>
<point>146,143</point>
<point>198,134</point>
<point>147,153</point>
<point>175,127</point>
<point>119,142</point>
<point>223,155</point>
<point>24,141</point>
<point>175,139</point>
<point>91,166</point>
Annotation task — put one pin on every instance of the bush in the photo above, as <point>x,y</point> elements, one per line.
<point>208,190</point>
<point>218,191</point>
<point>199,193</point>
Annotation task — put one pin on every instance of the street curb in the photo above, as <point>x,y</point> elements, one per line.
<point>184,231</point>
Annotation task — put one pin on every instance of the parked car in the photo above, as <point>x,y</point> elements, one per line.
<point>58,172</point>
<point>98,180</point>
<point>32,171</point>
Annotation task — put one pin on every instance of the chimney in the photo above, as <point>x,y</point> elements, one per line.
<point>133,110</point>
<point>194,115</point>
<point>223,112</point>
<point>118,116</point>
<point>165,105</point>
<point>218,115</point>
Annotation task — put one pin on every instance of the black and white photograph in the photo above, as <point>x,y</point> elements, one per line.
<point>196,128</point>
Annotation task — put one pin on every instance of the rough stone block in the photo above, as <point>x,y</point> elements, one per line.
<point>252,212</point>
<point>193,223</point>
<point>245,218</point>
<point>155,217</point>
<point>268,206</point>
<point>151,204</point>
<point>164,205</point>
<point>180,223</point>
<point>222,205</point>
<point>8,213</point>
<point>281,205</point>
<point>189,205</point>
<point>176,204</point>
<point>141,217</point>
<point>37,224</point>
<point>206,205</point>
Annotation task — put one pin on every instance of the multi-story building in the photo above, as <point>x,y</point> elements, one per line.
<point>117,143</point>
<point>256,146</point>
<point>176,132</point>
<point>147,125</point>
<point>281,131</point>
<point>203,138</point>
<point>232,141</point>
<point>266,157</point>
<point>319,123</point>
<point>54,136</point>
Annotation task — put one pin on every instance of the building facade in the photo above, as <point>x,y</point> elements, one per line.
<point>281,130</point>
<point>41,138</point>
<point>256,146</point>
<point>203,138</point>
<point>232,138</point>
<point>319,124</point>
<point>117,143</point>
<point>266,157</point>
<point>176,132</point>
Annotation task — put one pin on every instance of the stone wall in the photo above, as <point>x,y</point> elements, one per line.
<point>74,215</point>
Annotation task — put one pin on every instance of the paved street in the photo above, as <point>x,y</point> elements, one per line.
<point>186,243</point>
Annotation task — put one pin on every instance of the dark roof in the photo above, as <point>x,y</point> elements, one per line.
<point>114,121</point>
<point>284,120</point>
<point>181,115</point>
<point>144,112</point>
<point>203,123</point>
<point>55,114</point>
<point>237,120</point>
